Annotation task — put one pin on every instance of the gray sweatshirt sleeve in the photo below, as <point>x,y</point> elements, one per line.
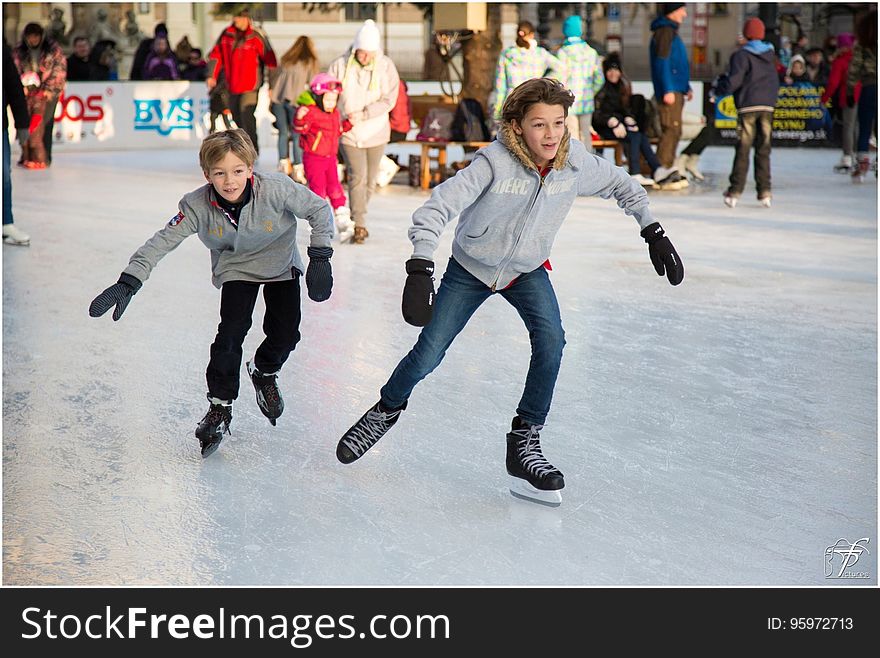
<point>447,201</point>
<point>302,202</point>
<point>601,178</point>
<point>180,227</point>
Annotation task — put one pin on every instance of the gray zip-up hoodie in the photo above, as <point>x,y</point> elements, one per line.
<point>508,215</point>
<point>262,250</point>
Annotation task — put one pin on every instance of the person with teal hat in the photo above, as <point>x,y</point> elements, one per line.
<point>583,76</point>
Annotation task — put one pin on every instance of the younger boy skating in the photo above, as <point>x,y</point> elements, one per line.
<point>248,221</point>
<point>511,200</point>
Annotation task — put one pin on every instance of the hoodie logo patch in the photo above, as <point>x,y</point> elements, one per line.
<point>179,217</point>
<point>560,186</point>
<point>512,186</point>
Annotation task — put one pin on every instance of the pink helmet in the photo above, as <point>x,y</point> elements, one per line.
<point>324,82</point>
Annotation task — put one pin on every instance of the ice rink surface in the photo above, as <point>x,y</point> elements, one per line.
<point>723,432</point>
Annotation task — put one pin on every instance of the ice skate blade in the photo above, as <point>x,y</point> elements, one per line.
<point>210,448</point>
<point>521,489</point>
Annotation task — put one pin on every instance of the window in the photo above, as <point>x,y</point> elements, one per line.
<point>360,11</point>
<point>265,12</point>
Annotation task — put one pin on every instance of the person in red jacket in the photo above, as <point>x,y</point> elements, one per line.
<point>239,55</point>
<point>319,123</point>
<point>836,89</point>
<point>401,114</point>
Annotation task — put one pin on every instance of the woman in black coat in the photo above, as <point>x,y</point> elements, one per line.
<point>614,119</point>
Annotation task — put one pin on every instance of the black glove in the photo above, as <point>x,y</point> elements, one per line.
<point>319,275</point>
<point>418,292</point>
<point>119,293</point>
<point>663,254</point>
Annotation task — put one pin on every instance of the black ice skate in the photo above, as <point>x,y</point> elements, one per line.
<point>364,434</point>
<point>213,425</point>
<point>268,395</point>
<point>532,478</point>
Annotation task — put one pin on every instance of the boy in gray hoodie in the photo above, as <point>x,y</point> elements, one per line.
<point>511,201</point>
<point>248,220</point>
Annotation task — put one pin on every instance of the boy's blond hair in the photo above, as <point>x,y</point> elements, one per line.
<point>530,92</point>
<point>217,145</point>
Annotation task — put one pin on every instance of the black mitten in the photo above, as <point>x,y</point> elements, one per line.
<point>119,293</point>
<point>319,275</point>
<point>418,292</point>
<point>663,254</point>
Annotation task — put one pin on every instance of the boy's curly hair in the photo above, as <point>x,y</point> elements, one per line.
<point>530,92</point>
<point>215,147</point>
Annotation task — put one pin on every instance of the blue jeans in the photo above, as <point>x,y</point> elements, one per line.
<point>459,296</point>
<point>637,143</point>
<point>7,180</point>
<point>284,113</point>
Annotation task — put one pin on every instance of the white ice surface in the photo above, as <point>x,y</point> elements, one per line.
<point>721,432</point>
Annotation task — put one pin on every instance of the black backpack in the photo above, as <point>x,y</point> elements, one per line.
<point>469,124</point>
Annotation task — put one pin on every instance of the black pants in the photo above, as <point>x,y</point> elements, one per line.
<point>280,324</point>
<point>243,107</point>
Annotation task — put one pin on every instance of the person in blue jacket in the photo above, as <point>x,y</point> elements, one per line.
<point>670,74</point>
<point>510,202</point>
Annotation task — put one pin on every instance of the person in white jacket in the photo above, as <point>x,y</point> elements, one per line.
<point>370,85</point>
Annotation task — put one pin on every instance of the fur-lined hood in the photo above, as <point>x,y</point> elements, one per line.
<point>517,146</point>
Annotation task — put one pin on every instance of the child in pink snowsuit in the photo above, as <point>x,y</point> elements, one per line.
<point>319,123</point>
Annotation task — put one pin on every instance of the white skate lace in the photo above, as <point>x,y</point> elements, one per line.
<point>372,428</point>
<point>529,451</point>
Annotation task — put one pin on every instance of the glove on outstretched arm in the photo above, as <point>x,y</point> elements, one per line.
<point>418,292</point>
<point>319,275</point>
<point>119,294</point>
<point>663,254</point>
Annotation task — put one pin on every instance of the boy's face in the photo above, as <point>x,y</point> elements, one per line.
<point>229,177</point>
<point>330,99</point>
<point>542,129</point>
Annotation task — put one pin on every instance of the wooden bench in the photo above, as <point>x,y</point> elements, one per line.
<point>618,146</point>
<point>435,152</point>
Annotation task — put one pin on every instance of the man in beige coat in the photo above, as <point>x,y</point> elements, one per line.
<point>369,90</point>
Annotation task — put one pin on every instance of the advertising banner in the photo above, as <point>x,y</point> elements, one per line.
<point>799,118</point>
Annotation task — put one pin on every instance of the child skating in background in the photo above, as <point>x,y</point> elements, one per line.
<point>319,123</point>
<point>511,201</point>
<point>248,220</point>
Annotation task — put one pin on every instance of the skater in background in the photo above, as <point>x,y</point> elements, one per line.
<point>752,79</point>
<point>370,84</point>
<point>863,70</point>
<point>240,54</point>
<point>13,99</point>
<point>511,200</point>
<point>297,67</point>
<point>583,75</point>
<point>248,220</point>
<point>319,125</point>
<point>836,90</point>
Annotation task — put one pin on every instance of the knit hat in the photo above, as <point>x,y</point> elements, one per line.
<point>572,27</point>
<point>754,29</point>
<point>367,37</point>
<point>667,8</point>
<point>611,61</point>
<point>845,40</point>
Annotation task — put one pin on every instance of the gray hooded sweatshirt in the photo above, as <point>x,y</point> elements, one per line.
<point>508,215</point>
<point>263,248</point>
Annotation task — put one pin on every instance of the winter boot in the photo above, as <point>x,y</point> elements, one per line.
<point>532,477</point>
<point>730,200</point>
<point>285,167</point>
<point>298,173</point>
<point>360,234</point>
<point>344,223</point>
<point>845,165</point>
<point>690,164</point>
<point>364,434</point>
<point>211,428</point>
<point>765,200</point>
<point>861,168</point>
<point>669,179</point>
<point>268,396</point>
